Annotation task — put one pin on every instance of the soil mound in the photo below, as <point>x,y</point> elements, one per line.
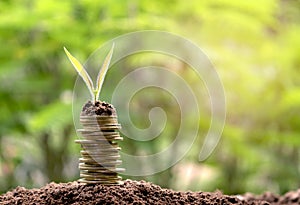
<point>291,198</point>
<point>130,192</point>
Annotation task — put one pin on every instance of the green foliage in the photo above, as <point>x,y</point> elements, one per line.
<point>254,46</point>
<point>95,92</point>
<point>82,72</point>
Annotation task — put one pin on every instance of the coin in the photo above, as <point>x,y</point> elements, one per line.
<point>106,159</point>
<point>99,171</point>
<point>100,158</point>
<point>100,150</point>
<point>100,177</point>
<point>118,182</point>
<point>96,153</point>
<point>99,168</point>
<point>109,137</point>
<point>97,132</point>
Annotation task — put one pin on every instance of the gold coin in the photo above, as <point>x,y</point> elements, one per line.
<point>115,155</point>
<point>97,168</point>
<point>100,146</point>
<point>100,162</point>
<point>97,128</point>
<point>103,134</point>
<point>100,127</point>
<point>91,173</point>
<point>99,143</point>
<point>104,138</point>
<point>106,165</point>
<point>91,153</point>
<point>100,182</point>
<point>106,171</point>
<point>97,174</point>
<point>97,149</point>
<point>100,177</point>
<point>99,157</point>
<point>96,132</point>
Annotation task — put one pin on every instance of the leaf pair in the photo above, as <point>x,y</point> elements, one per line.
<point>95,92</point>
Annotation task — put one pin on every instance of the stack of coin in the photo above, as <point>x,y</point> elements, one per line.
<point>100,151</point>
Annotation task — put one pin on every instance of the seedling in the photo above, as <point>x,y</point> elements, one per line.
<point>100,151</point>
<point>95,92</point>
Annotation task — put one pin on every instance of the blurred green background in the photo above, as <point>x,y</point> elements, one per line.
<point>254,45</point>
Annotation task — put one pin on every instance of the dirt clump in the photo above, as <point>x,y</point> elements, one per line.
<point>98,108</point>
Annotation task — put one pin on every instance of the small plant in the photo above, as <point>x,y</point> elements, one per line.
<point>95,92</point>
<point>100,150</point>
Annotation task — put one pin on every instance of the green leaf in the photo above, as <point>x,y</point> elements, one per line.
<point>103,71</point>
<point>82,72</point>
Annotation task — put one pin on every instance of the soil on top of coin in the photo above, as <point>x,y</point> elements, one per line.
<point>134,192</point>
<point>98,108</point>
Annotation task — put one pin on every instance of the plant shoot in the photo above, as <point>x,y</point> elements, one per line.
<point>95,92</point>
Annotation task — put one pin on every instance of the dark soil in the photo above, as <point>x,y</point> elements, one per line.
<point>98,108</point>
<point>133,192</point>
<point>292,197</point>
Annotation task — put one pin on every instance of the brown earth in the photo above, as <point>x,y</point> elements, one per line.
<point>133,192</point>
<point>98,108</point>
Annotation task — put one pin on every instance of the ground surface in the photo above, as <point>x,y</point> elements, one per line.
<point>132,192</point>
